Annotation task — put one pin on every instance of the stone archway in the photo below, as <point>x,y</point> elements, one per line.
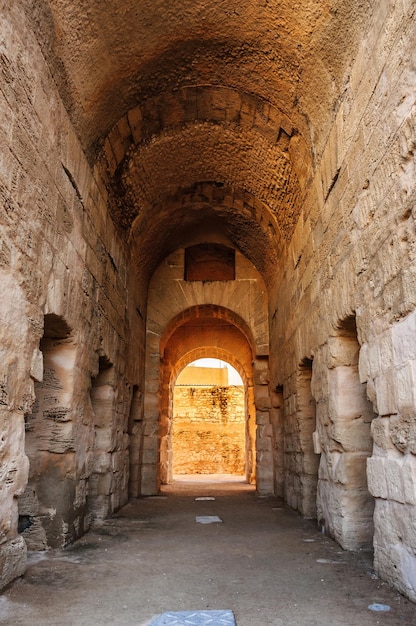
<point>170,370</point>
<point>200,331</point>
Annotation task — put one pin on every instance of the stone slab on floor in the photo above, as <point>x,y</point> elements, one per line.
<point>195,618</point>
<point>208,519</point>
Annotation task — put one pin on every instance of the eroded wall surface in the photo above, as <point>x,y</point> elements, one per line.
<point>59,256</point>
<point>353,254</point>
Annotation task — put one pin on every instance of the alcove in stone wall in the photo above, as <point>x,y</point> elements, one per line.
<point>102,401</point>
<point>345,505</point>
<point>47,517</point>
<point>301,461</point>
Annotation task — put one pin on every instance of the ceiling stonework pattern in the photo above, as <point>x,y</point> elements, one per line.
<point>170,96</point>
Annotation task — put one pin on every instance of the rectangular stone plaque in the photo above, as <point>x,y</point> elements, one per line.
<point>195,618</point>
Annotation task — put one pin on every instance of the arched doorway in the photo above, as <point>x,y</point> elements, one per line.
<point>205,332</point>
<point>197,332</point>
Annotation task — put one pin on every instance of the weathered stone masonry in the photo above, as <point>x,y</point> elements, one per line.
<point>277,136</point>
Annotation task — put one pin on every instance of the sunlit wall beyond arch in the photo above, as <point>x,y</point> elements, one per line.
<point>208,425</point>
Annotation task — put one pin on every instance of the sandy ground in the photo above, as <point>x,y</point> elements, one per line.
<point>263,561</point>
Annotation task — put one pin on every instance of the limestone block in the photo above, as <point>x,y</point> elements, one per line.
<point>149,486</point>
<point>342,352</point>
<point>353,437</point>
<point>119,460</point>
<point>265,430</point>
<point>93,486</point>
<point>409,479</point>
<point>264,444</point>
<point>13,557</point>
<point>307,427</point>
<point>264,458</point>
<point>351,470</point>
<point>149,456</point>
<point>395,487</point>
<point>371,395</point>
<point>262,402</point>
<point>261,372</point>
<point>405,383</point>
<point>394,545</point>
<point>363,363</point>
<point>380,433</point>
<point>102,394</point>
<point>276,418</point>
<point>152,388</point>
<point>265,478</point>
<point>310,464</point>
<point>385,393</point>
<point>404,339</point>
<point>151,403</point>
<point>331,462</point>
<point>374,360</point>
<point>347,395</point>
<point>102,462</point>
<point>386,351</point>
<point>104,439</point>
<point>276,401</point>
<point>262,417</point>
<point>376,477</point>
<point>100,507</point>
<point>402,429</point>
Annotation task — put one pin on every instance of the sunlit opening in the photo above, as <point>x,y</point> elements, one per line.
<point>209,430</point>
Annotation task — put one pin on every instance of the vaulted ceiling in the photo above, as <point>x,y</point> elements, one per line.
<point>210,114</point>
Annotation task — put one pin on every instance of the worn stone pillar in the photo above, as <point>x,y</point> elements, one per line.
<point>264,453</point>
<point>277,416</point>
<point>388,362</point>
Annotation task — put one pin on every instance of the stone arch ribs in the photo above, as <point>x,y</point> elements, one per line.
<point>238,214</point>
<point>217,104</point>
<point>158,154</point>
<point>201,313</point>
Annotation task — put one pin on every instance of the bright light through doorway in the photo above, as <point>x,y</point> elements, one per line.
<point>234,377</point>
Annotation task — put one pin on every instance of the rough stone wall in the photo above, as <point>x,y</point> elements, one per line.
<point>388,363</point>
<point>209,430</point>
<point>58,255</point>
<point>353,252</point>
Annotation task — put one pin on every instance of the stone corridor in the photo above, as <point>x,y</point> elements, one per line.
<point>223,179</point>
<point>263,562</point>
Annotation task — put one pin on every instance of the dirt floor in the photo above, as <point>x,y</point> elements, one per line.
<point>263,561</point>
